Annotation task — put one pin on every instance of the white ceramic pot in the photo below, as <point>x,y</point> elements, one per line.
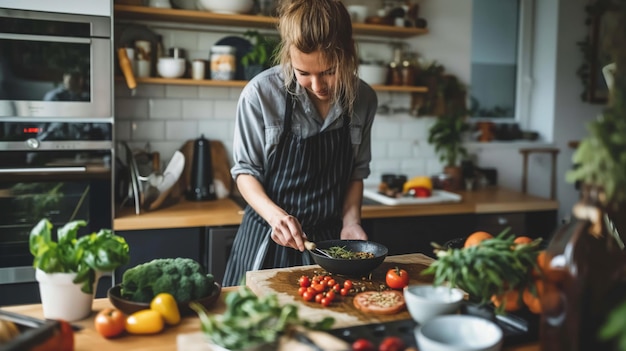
<point>61,298</point>
<point>373,74</point>
<point>228,7</point>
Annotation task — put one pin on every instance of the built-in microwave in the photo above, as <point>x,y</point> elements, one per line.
<point>55,65</point>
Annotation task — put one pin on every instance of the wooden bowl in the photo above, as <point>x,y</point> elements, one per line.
<point>129,307</point>
<point>352,268</point>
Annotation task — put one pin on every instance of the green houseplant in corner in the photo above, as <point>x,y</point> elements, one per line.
<point>69,267</point>
<point>261,54</point>
<point>446,134</point>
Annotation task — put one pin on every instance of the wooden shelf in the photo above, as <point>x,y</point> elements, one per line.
<point>210,18</point>
<point>242,83</point>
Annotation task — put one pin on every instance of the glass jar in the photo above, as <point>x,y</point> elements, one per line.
<point>223,62</point>
<point>583,278</point>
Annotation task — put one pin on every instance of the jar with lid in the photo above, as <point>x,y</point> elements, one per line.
<point>223,62</point>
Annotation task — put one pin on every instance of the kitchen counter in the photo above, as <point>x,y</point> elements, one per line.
<point>225,212</point>
<point>89,339</point>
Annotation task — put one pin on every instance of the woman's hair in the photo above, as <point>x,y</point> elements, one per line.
<point>324,26</point>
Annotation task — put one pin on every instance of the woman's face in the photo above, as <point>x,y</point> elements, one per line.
<point>317,77</point>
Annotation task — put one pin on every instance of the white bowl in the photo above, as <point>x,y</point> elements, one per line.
<point>169,67</point>
<point>373,74</point>
<point>458,333</point>
<point>427,301</point>
<point>226,6</point>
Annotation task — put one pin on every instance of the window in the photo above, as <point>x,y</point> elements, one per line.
<point>501,59</point>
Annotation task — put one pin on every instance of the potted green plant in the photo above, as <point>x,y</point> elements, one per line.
<point>446,134</point>
<point>68,268</point>
<point>261,54</point>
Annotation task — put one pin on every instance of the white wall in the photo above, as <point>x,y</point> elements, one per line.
<point>167,116</point>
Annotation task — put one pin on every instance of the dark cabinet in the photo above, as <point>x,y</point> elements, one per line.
<point>146,245</point>
<point>404,235</point>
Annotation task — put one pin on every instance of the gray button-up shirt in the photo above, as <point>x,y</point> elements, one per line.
<point>260,119</point>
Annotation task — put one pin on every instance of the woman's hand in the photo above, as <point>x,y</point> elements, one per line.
<point>286,231</point>
<point>353,232</point>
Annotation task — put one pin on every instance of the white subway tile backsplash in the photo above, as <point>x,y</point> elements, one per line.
<point>122,130</point>
<point>213,93</point>
<point>148,131</point>
<point>165,109</point>
<point>181,130</point>
<point>225,109</point>
<point>217,129</point>
<point>181,91</point>
<point>198,109</point>
<point>401,148</point>
<point>131,109</point>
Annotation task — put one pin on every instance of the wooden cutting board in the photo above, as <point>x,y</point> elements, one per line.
<point>284,283</point>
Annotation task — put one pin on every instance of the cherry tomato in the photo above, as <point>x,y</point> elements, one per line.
<point>110,322</point>
<point>347,284</point>
<point>301,290</point>
<point>391,343</point>
<point>304,281</point>
<point>319,287</point>
<point>331,282</point>
<point>397,278</point>
<point>326,301</point>
<point>319,297</point>
<point>344,292</point>
<point>363,345</point>
<point>337,288</point>
<point>308,296</point>
<point>330,295</point>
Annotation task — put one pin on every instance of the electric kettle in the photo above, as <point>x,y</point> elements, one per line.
<point>201,181</point>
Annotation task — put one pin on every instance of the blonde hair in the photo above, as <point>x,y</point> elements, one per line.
<point>324,26</point>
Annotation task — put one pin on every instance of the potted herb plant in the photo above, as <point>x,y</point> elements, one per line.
<point>446,134</point>
<point>261,54</point>
<point>68,268</point>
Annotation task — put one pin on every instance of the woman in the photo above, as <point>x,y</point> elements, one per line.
<point>302,142</point>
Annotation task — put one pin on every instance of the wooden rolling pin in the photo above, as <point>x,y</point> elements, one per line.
<point>127,68</point>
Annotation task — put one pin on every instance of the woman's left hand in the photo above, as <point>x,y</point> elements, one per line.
<point>353,232</point>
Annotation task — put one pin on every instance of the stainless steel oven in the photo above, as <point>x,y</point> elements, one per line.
<point>61,170</point>
<point>55,64</point>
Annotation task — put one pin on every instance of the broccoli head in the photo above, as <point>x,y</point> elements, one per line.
<point>184,278</point>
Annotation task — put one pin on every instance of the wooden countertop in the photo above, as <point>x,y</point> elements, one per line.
<point>226,212</point>
<point>89,339</point>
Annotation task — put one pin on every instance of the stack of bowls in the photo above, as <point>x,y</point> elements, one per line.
<point>458,333</point>
<point>427,301</point>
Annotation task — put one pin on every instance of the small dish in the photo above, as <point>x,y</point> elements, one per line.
<point>170,67</point>
<point>425,302</point>
<point>458,333</point>
<point>129,307</point>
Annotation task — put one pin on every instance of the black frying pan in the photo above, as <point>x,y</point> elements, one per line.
<point>353,268</point>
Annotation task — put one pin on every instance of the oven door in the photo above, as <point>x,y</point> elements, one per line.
<point>61,171</point>
<point>55,65</point>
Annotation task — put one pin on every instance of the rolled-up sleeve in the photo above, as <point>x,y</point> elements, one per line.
<point>249,138</point>
<point>363,119</point>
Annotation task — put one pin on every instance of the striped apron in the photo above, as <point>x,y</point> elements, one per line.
<point>308,178</point>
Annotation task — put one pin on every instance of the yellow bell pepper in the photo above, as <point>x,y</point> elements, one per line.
<point>144,322</point>
<point>417,182</point>
<point>166,305</point>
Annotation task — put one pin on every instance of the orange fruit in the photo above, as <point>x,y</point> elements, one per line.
<point>510,299</point>
<point>547,298</point>
<point>523,240</point>
<point>530,300</point>
<point>549,272</point>
<point>476,237</point>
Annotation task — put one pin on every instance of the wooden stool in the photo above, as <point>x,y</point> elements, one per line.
<point>554,153</point>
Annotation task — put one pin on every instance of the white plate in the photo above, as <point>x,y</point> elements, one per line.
<point>438,196</point>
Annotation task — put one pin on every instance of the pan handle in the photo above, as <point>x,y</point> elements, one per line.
<point>127,68</point>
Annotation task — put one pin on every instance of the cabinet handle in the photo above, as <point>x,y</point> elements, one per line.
<point>503,221</point>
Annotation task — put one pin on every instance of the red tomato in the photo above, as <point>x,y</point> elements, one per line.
<point>319,297</point>
<point>344,292</point>
<point>308,296</point>
<point>325,301</point>
<point>363,345</point>
<point>110,322</point>
<point>304,281</point>
<point>391,343</point>
<point>347,284</point>
<point>397,278</point>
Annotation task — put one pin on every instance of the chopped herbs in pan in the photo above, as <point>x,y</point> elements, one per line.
<point>343,253</point>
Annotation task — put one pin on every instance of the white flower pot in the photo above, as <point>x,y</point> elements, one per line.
<point>61,298</point>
